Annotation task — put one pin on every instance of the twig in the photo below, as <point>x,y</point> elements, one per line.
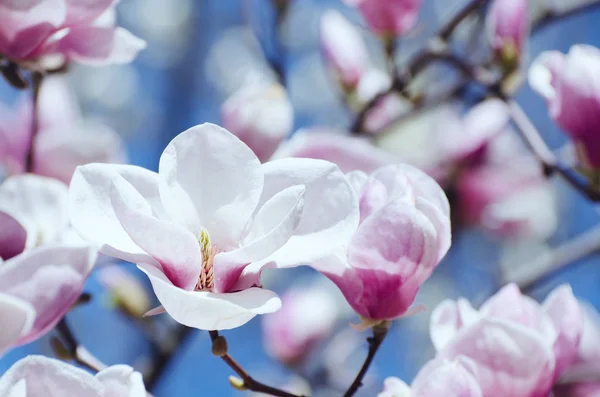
<point>249,383</point>
<point>379,333</point>
<point>555,259</point>
<point>36,83</point>
<point>78,353</point>
<point>550,17</point>
<point>446,31</point>
<point>278,64</point>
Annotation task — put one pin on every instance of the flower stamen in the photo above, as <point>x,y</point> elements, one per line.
<point>206,280</point>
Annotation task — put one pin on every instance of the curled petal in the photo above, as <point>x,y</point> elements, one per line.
<point>21,315</point>
<point>121,381</point>
<point>13,237</point>
<point>207,310</point>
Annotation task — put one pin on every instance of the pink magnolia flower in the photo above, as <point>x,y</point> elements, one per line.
<point>591,389</point>
<point>210,211</point>
<point>508,25</point>
<point>388,17</point>
<point>308,316</point>
<point>261,116</point>
<point>63,141</point>
<point>439,377</point>
<point>68,29</point>
<point>571,87</point>
<point>34,376</point>
<point>349,153</point>
<point>518,347</point>
<point>343,48</point>
<point>403,234</point>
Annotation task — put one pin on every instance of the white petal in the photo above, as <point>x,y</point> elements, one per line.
<point>220,174</point>
<point>93,216</point>
<point>211,311</point>
<point>330,214</point>
<point>541,73</point>
<point>17,319</point>
<point>121,381</point>
<point>39,204</point>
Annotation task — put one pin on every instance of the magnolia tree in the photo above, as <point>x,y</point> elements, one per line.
<point>363,204</point>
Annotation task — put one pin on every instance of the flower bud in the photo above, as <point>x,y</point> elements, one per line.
<point>507,25</point>
<point>127,292</point>
<point>388,17</point>
<point>261,116</point>
<point>343,48</point>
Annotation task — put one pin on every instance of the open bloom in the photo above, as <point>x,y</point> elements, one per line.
<point>388,17</point>
<point>64,139</point>
<point>571,87</point>
<point>507,24</point>
<point>403,234</point>
<point>261,116</point>
<point>210,211</point>
<point>518,347</point>
<point>67,29</point>
<point>308,316</point>
<point>439,377</point>
<point>343,48</point>
<point>35,376</point>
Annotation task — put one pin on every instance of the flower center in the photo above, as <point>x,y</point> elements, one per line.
<point>206,280</point>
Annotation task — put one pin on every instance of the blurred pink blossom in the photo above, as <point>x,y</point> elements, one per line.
<point>518,347</point>
<point>343,47</point>
<point>591,389</point>
<point>63,141</point>
<point>261,116</point>
<point>507,24</point>
<point>210,212</point>
<point>571,87</point>
<point>308,315</point>
<point>35,376</point>
<point>44,30</point>
<point>403,235</point>
<point>388,17</point>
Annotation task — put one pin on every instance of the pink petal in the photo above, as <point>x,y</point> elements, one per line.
<point>197,162</point>
<point>587,365</point>
<point>173,247</point>
<point>21,315</point>
<point>15,136</point>
<point>394,387</point>
<point>86,11</point>
<point>443,378</point>
<point>448,318</point>
<point>13,237</point>
<point>373,197</point>
<point>207,310</point>
<point>567,316</point>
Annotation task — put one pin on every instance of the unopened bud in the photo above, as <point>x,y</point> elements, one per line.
<point>237,383</point>
<point>219,346</point>
<point>59,349</point>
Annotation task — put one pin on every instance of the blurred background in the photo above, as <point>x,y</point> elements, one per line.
<point>202,51</point>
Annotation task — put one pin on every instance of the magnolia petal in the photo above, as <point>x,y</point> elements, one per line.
<point>21,315</point>
<point>13,236</point>
<point>155,312</point>
<point>17,17</point>
<point>86,11</point>
<point>121,381</point>
<point>443,378</point>
<point>442,226</point>
<point>543,73</point>
<point>394,387</point>
<point>511,360</point>
<point>567,317</point>
<point>93,216</point>
<point>358,180</point>
<point>175,248</point>
<point>447,319</point>
<point>373,197</point>
<point>330,213</point>
<point>197,162</point>
<point>39,204</point>
<point>43,376</point>
<point>207,310</point>
<point>50,279</point>
<point>273,226</point>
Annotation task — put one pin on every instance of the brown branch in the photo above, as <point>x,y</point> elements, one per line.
<point>551,17</point>
<point>249,383</point>
<point>77,352</point>
<point>379,333</point>
<point>36,83</point>
<point>446,31</point>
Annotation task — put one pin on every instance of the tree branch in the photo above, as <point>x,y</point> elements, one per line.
<point>77,352</point>
<point>36,83</point>
<point>379,333</point>
<point>249,383</point>
<point>551,17</point>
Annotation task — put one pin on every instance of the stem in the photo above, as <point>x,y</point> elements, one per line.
<point>556,259</point>
<point>79,353</point>
<point>36,83</point>
<point>446,31</point>
<point>379,333</point>
<point>550,17</point>
<point>249,382</point>
<point>278,64</point>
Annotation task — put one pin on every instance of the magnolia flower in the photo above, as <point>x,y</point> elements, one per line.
<point>349,153</point>
<point>571,87</point>
<point>343,48</point>
<point>35,376</point>
<point>210,211</point>
<point>388,17</point>
<point>261,116</point>
<point>508,25</point>
<point>517,347</point>
<point>403,234</point>
<point>438,377</point>
<point>63,140</point>
<point>65,29</point>
<point>308,316</point>
<point>591,389</point>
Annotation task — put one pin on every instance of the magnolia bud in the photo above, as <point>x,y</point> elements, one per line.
<point>388,17</point>
<point>508,28</point>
